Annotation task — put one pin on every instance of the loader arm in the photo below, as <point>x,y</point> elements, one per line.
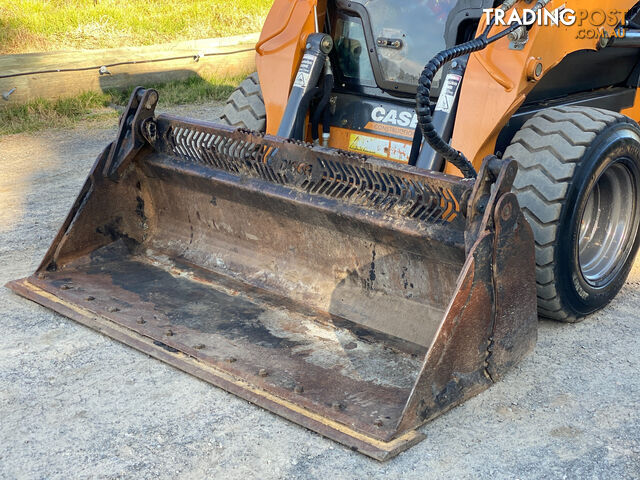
<point>280,48</point>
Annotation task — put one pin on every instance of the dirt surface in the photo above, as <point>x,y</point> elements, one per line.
<point>75,404</point>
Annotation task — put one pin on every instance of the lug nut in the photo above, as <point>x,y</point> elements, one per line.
<point>199,346</point>
<point>298,389</point>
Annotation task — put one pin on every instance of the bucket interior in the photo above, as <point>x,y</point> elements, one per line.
<point>332,308</point>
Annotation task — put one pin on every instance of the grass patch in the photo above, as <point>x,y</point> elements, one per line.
<point>39,25</point>
<point>192,90</point>
<point>43,113</point>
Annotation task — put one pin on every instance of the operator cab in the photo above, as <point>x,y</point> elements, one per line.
<point>377,60</point>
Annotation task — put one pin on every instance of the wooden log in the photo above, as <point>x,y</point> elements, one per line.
<point>153,64</point>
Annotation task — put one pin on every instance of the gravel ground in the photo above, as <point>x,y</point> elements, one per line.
<point>75,404</point>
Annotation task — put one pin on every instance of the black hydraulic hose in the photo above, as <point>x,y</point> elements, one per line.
<point>423,102</point>
<point>327,87</point>
<point>298,127</point>
<point>415,146</point>
<point>326,121</point>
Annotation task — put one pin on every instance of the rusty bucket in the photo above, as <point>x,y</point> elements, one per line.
<point>354,296</point>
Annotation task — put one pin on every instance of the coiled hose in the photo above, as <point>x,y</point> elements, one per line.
<point>423,104</point>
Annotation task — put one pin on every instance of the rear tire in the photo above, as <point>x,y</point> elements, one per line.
<point>245,106</point>
<point>579,187</point>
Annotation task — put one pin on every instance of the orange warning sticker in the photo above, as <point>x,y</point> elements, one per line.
<point>380,147</point>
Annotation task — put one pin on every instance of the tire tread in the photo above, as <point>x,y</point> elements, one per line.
<point>548,148</point>
<point>245,106</point>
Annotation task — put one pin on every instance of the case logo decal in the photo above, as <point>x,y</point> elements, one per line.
<point>402,118</point>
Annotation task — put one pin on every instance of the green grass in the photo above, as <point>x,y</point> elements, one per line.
<point>192,90</point>
<point>43,113</point>
<point>39,25</point>
<point>65,112</point>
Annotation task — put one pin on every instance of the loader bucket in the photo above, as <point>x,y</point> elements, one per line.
<point>354,296</point>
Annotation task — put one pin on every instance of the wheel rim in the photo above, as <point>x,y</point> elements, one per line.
<point>607,226</point>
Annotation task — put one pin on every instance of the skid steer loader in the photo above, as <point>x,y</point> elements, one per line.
<point>368,242</point>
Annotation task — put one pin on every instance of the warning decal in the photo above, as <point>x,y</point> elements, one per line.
<point>379,147</point>
<point>302,80</point>
<point>448,93</point>
<point>304,72</point>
